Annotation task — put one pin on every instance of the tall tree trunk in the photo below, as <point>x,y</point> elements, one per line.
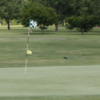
<point>8,24</point>
<point>82,31</point>
<point>56,27</point>
<point>42,31</point>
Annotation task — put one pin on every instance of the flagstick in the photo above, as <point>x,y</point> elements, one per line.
<point>26,51</point>
<point>25,64</point>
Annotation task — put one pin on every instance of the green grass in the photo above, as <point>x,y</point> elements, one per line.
<point>50,83</point>
<point>54,98</point>
<point>49,48</point>
<point>49,76</point>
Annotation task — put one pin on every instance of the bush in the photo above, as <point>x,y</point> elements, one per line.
<point>82,23</point>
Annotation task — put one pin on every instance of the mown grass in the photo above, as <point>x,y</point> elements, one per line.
<point>52,77</point>
<point>49,48</point>
<point>50,83</point>
<point>53,98</point>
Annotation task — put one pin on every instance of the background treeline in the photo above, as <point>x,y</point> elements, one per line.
<point>48,12</point>
<point>12,22</point>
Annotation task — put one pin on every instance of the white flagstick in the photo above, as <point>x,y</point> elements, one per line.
<point>31,24</point>
<point>26,50</point>
<point>25,65</point>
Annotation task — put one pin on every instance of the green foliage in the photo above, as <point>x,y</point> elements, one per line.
<point>61,7</point>
<point>82,23</point>
<point>96,7</point>
<point>68,8</point>
<point>45,16</point>
<point>12,22</point>
<point>86,7</point>
<point>10,9</point>
<point>3,22</point>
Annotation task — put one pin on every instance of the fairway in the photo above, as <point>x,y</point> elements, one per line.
<point>50,81</point>
<point>49,76</point>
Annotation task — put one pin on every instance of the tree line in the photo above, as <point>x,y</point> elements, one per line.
<point>80,14</point>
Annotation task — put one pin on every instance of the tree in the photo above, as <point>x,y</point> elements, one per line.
<point>82,23</point>
<point>96,7</point>
<point>61,7</point>
<point>43,15</point>
<point>86,7</point>
<point>9,10</point>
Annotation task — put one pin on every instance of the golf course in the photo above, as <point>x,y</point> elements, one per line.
<point>64,65</point>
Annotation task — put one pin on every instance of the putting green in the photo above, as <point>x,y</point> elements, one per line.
<point>50,81</point>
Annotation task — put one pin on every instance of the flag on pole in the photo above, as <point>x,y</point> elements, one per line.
<point>32,23</point>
